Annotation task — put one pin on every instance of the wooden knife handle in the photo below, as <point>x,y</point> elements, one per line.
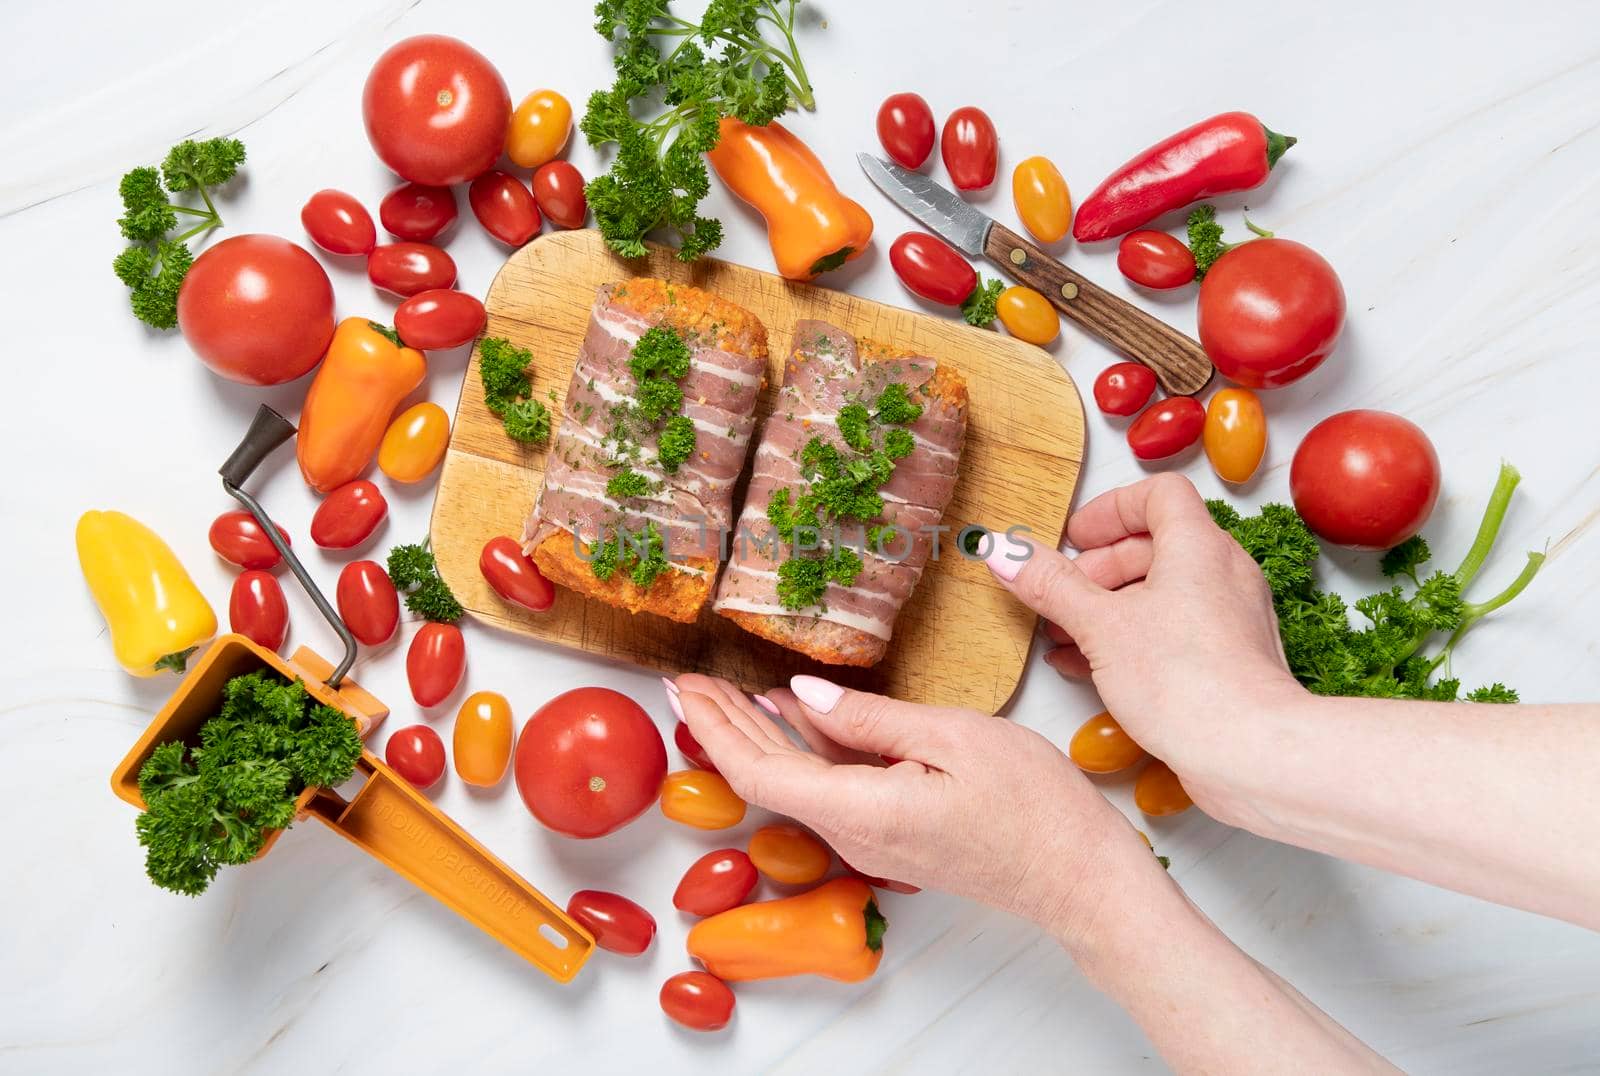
<point>1179,363</point>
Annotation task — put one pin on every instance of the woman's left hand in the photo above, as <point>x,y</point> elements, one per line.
<point>977,805</point>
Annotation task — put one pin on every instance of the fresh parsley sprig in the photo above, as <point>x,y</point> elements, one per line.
<point>1382,659</point>
<point>415,574</point>
<point>739,60</point>
<point>154,266</point>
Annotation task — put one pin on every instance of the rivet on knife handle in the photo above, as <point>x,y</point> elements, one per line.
<point>1179,363</point>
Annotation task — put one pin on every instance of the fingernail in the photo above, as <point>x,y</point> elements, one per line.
<point>672,698</point>
<point>1007,557</point>
<point>767,705</point>
<point>819,694</point>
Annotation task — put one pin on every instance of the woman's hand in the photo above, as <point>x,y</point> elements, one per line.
<point>979,806</point>
<point>1161,608</point>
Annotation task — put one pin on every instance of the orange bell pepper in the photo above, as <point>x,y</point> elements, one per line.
<point>363,378</point>
<point>834,931</point>
<point>812,227</point>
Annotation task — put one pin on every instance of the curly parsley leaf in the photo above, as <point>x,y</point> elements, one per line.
<point>979,308</point>
<point>740,60</point>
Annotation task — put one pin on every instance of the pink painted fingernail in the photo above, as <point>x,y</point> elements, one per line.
<point>819,694</point>
<point>1007,556</point>
<point>672,699</point>
<point>767,704</point>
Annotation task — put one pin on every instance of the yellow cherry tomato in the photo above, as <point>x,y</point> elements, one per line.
<point>1158,791</point>
<point>1027,315</point>
<point>701,799</point>
<point>789,854</point>
<point>482,741</point>
<point>1235,434</point>
<point>1043,202</point>
<point>1100,746</point>
<point>414,443</point>
<point>539,129</point>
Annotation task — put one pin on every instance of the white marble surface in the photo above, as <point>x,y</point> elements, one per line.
<point>1448,168</point>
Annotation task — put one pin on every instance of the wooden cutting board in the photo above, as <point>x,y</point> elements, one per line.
<point>962,640</point>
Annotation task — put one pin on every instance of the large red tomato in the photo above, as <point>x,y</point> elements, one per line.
<point>1366,479</point>
<point>589,761</point>
<point>436,110</point>
<point>257,309</point>
<point>1270,312</point>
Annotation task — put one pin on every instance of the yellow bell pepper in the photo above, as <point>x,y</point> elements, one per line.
<point>156,614</point>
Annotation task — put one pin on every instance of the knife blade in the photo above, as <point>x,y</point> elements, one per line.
<point>960,224</point>
<point>1179,363</point>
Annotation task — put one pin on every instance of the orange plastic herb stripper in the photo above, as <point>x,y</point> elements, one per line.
<point>386,817</point>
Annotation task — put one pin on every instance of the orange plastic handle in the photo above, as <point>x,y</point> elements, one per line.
<point>393,822</point>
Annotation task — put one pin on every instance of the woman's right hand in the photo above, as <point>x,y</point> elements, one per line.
<point>1162,609</point>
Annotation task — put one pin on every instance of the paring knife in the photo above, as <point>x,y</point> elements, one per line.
<point>1179,363</point>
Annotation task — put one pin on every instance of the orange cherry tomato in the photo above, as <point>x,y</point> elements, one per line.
<point>1235,435</point>
<point>539,129</point>
<point>789,854</point>
<point>701,799</point>
<point>414,443</point>
<point>1027,315</point>
<point>1043,202</point>
<point>1158,791</point>
<point>482,740</point>
<point>1100,746</point>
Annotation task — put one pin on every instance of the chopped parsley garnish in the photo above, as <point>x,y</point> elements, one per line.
<point>895,407</point>
<point>657,398</point>
<point>627,483</point>
<point>527,421</point>
<point>622,552</point>
<point>507,389</point>
<point>854,421</point>
<point>979,308</point>
<point>676,443</point>
<point>415,575</point>
<point>659,351</point>
<point>841,487</point>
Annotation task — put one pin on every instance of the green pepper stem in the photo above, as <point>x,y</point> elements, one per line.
<point>877,925</point>
<point>1489,529</point>
<point>1277,145</point>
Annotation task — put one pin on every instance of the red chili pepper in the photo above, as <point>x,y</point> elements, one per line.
<point>1226,153</point>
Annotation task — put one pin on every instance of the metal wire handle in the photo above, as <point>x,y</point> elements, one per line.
<point>267,431</point>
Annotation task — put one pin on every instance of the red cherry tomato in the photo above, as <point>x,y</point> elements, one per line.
<point>504,207</point>
<point>256,609</point>
<point>434,663</point>
<point>440,318</point>
<point>417,211</point>
<point>1155,259</point>
<point>716,882</point>
<point>239,539</point>
<point>338,223</point>
<point>436,110</point>
<point>257,309</point>
<point>617,923</point>
<point>690,748</point>
<point>589,761</point>
<point>905,127</point>
<point>348,516</point>
<point>408,269</point>
<point>970,148</point>
<point>558,188</point>
<point>1270,311</point>
<point>417,754</point>
<point>1366,479</point>
<point>367,601</point>
<point>513,576</point>
<point>698,1000</point>
<point>931,268</point>
<point>1167,428</point>
<point>1123,388</point>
